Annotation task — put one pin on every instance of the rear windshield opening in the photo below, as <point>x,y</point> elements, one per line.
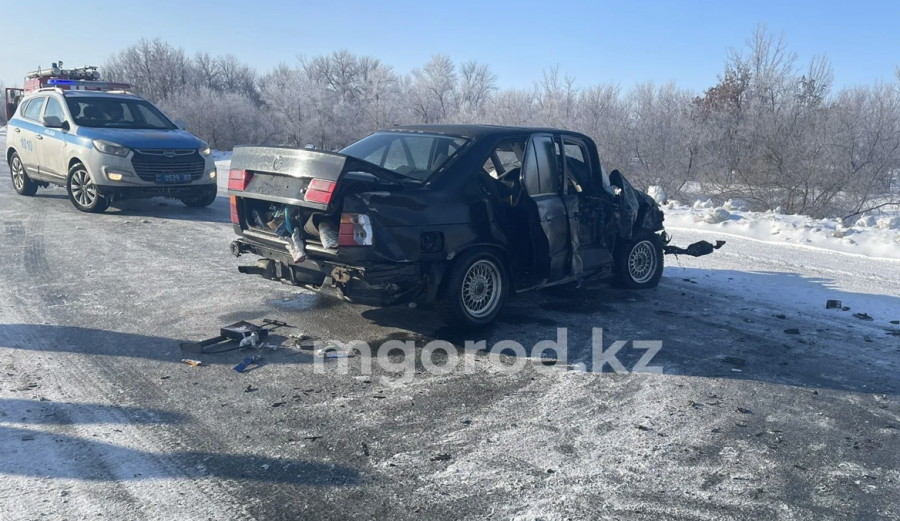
<point>413,155</point>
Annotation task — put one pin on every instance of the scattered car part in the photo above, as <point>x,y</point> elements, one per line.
<point>833,304</point>
<point>247,362</point>
<point>697,249</point>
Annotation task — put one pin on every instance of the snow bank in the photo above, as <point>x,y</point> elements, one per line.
<point>869,236</point>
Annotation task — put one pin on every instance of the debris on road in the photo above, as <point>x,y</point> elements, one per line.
<point>895,322</point>
<point>333,352</point>
<point>698,249</point>
<point>792,331</point>
<point>833,304</point>
<point>442,457</point>
<point>247,362</point>
<point>190,362</point>
<point>251,389</point>
<point>744,411</point>
<point>740,362</point>
<point>863,316</point>
<point>781,317</point>
<point>250,340</point>
<point>246,333</point>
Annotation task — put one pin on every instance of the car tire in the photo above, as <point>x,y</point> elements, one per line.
<point>206,198</point>
<point>473,290</point>
<point>639,262</point>
<point>83,193</point>
<point>20,180</point>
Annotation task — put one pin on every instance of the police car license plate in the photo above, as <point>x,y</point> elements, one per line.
<point>173,178</point>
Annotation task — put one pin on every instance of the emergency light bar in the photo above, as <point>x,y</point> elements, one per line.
<point>79,78</point>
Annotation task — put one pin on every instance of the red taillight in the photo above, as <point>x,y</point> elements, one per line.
<point>238,180</point>
<point>235,218</point>
<point>355,230</point>
<point>319,191</point>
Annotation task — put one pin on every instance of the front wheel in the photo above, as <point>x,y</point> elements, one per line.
<point>474,290</point>
<point>21,182</point>
<point>639,262</point>
<point>204,199</point>
<point>83,192</point>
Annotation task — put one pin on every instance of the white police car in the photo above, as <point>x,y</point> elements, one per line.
<point>104,147</point>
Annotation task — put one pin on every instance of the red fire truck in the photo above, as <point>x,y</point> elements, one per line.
<point>79,78</point>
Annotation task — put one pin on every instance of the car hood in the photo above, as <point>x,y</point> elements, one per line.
<point>143,138</point>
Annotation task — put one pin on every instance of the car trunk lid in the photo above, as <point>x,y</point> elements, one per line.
<point>299,177</point>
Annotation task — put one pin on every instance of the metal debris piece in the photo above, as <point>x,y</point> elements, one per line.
<point>698,249</point>
<point>833,304</point>
<point>194,363</point>
<point>792,331</point>
<point>781,317</point>
<point>863,316</point>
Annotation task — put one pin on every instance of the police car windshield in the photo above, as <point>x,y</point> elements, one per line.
<point>100,112</point>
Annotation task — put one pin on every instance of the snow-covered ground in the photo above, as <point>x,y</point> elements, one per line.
<point>870,236</point>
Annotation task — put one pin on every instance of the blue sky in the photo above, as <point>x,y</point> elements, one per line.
<point>594,41</point>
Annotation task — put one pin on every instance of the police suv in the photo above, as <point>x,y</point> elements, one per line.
<point>103,145</point>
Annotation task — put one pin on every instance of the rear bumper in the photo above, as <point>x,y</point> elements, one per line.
<point>145,192</point>
<point>380,284</point>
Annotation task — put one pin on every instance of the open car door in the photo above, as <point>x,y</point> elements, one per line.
<point>11,99</point>
<point>545,208</point>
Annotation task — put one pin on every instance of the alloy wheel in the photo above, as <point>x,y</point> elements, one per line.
<point>481,289</point>
<point>642,262</point>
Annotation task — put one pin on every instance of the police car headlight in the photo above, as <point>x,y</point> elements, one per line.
<point>108,147</point>
<point>204,149</point>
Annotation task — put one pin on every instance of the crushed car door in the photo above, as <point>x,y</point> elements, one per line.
<point>541,181</point>
<point>590,207</point>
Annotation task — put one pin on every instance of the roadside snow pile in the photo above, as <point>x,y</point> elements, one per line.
<point>657,193</point>
<point>870,235</point>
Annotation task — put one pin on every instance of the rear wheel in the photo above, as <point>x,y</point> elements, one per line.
<point>639,262</point>
<point>83,192</point>
<point>21,182</point>
<point>474,290</point>
<point>203,200</point>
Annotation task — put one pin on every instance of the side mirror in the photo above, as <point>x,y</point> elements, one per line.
<point>52,122</point>
<point>180,123</point>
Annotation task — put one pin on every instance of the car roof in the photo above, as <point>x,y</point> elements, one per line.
<point>478,131</point>
<point>81,94</point>
<point>98,94</point>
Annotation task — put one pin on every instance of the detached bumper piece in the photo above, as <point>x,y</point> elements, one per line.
<point>698,249</point>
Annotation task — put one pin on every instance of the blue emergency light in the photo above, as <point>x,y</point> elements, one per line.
<point>62,82</point>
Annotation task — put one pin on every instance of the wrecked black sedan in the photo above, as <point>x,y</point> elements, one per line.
<point>459,216</point>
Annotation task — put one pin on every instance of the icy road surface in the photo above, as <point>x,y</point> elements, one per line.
<point>100,419</point>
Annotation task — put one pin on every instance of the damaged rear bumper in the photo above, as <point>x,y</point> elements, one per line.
<point>373,284</point>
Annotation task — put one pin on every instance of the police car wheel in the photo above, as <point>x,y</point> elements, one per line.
<point>21,182</point>
<point>203,200</point>
<point>83,193</point>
